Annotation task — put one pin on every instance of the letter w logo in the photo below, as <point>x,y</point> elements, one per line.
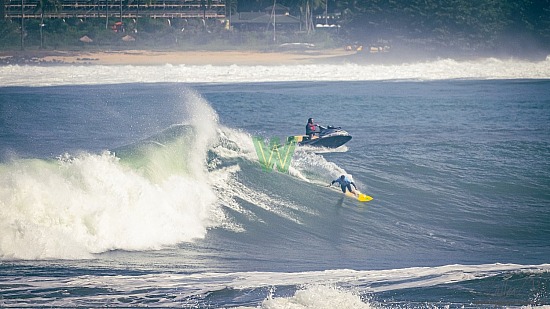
<point>274,153</point>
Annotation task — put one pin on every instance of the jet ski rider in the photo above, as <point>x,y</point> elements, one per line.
<point>311,128</point>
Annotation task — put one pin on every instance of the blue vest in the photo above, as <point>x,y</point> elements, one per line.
<point>344,182</point>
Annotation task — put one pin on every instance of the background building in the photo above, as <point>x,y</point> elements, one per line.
<point>114,8</point>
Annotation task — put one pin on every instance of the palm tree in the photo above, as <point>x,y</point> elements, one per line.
<point>204,5</point>
<point>2,9</point>
<point>137,14</point>
<point>22,24</point>
<point>307,7</point>
<point>137,2</point>
<point>46,6</point>
<point>230,7</point>
<point>107,14</point>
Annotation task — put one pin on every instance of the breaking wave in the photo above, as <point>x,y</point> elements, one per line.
<point>487,68</point>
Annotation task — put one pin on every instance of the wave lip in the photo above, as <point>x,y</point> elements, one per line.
<point>443,69</point>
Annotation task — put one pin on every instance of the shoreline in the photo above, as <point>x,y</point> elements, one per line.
<point>151,57</point>
<point>233,57</point>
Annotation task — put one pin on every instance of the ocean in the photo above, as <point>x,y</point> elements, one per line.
<point>138,186</point>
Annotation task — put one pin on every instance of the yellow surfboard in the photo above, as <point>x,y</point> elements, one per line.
<point>361,197</point>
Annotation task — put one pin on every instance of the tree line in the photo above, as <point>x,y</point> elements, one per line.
<point>467,25</point>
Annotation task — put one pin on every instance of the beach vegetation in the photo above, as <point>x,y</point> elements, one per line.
<point>9,34</point>
<point>461,26</point>
<point>44,6</point>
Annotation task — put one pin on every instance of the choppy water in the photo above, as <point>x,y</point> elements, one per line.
<point>150,193</point>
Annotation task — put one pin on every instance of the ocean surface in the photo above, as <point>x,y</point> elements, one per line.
<point>136,186</point>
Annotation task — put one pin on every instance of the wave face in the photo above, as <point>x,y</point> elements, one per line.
<point>489,68</point>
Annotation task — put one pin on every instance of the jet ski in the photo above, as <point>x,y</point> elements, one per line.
<point>328,137</point>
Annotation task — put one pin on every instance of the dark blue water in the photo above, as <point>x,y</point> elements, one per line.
<point>151,194</point>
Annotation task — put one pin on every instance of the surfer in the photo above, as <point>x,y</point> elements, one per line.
<point>345,183</point>
<point>311,128</point>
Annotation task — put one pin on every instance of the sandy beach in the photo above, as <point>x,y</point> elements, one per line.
<point>140,57</point>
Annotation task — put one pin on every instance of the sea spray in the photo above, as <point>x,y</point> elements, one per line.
<point>205,122</point>
<point>87,203</point>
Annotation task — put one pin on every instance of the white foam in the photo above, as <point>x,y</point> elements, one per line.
<point>237,144</point>
<point>341,288</point>
<point>229,188</point>
<point>488,68</point>
<point>91,203</point>
<point>314,167</point>
<point>318,297</point>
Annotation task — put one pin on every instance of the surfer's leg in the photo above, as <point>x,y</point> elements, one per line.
<point>343,188</point>
<point>349,189</point>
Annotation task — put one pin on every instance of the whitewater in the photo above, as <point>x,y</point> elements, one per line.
<point>486,68</point>
<point>134,186</point>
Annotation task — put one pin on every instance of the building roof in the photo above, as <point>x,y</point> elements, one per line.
<point>279,9</point>
<point>262,18</point>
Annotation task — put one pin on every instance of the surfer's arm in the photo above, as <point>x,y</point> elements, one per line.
<point>353,183</point>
